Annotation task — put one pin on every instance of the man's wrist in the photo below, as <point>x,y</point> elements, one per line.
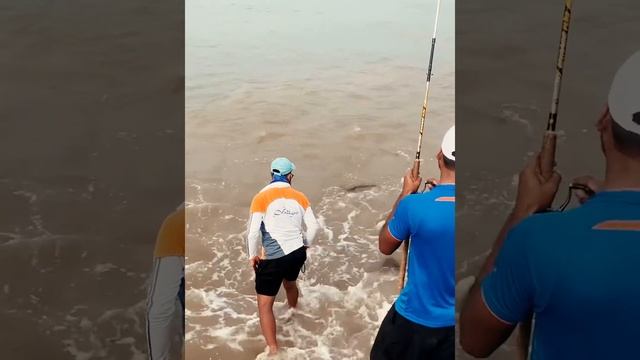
<point>521,212</point>
<point>405,193</point>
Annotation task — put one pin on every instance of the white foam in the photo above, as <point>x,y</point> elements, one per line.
<point>403,154</point>
<point>462,288</point>
<point>101,268</point>
<point>284,354</point>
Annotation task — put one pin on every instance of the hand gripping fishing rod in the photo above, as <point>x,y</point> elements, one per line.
<point>547,158</point>
<point>415,170</point>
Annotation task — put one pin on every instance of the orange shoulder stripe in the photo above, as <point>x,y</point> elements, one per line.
<point>259,204</point>
<point>261,201</point>
<point>620,225</point>
<point>171,237</point>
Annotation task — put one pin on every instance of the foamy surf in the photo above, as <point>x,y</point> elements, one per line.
<point>345,292</point>
<point>284,354</point>
<point>462,288</point>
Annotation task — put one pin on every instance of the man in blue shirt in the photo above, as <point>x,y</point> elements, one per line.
<point>576,271</point>
<point>420,325</point>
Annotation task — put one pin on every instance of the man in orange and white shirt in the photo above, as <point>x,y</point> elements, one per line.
<point>167,287</point>
<point>283,223</point>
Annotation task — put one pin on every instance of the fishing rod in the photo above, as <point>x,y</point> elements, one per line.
<point>415,170</point>
<point>547,158</point>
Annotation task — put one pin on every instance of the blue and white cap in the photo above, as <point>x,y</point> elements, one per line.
<point>282,166</point>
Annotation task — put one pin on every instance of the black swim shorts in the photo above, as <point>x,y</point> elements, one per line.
<point>270,273</point>
<point>401,339</point>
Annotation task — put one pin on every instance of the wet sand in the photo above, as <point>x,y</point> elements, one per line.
<point>91,144</point>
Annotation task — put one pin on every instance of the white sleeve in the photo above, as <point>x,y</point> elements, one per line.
<point>312,226</point>
<point>253,238</point>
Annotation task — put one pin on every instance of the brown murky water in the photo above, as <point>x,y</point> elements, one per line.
<point>81,125</point>
<point>336,87</point>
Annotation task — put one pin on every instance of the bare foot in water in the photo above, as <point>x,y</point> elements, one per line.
<point>273,351</point>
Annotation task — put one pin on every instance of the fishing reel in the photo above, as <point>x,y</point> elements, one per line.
<point>566,203</point>
<point>428,183</point>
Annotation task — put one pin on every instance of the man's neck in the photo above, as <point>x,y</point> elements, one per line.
<point>623,174</point>
<point>282,179</point>
<point>447,177</point>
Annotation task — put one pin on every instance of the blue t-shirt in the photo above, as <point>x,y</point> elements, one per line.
<point>428,297</point>
<point>578,271</point>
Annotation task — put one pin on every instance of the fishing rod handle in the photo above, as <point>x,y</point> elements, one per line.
<point>548,154</point>
<point>415,170</point>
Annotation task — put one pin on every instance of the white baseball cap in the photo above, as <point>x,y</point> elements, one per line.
<point>624,95</point>
<point>449,144</point>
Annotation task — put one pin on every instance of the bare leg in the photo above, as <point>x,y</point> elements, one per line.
<point>268,321</point>
<point>291,289</point>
